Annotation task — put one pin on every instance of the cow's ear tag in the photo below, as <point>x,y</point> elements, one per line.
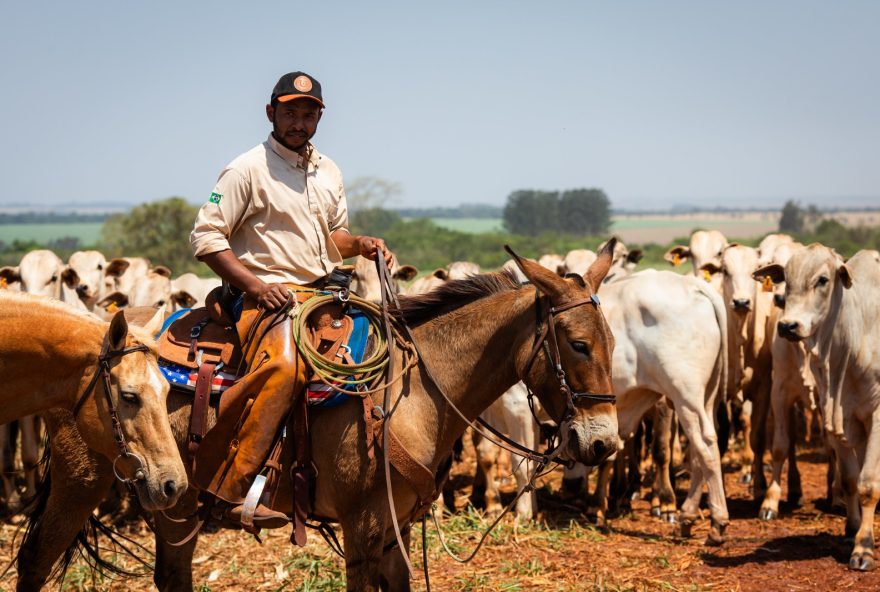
<point>707,276</point>
<point>3,283</point>
<point>767,284</point>
<point>112,307</point>
<point>676,260</point>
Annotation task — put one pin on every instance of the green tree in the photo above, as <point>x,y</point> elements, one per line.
<point>792,219</point>
<point>157,230</point>
<point>365,193</point>
<point>529,212</point>
<point>374,221</point>
<point>584,212</point>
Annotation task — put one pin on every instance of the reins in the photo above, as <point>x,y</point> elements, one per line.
<point>103,371</point>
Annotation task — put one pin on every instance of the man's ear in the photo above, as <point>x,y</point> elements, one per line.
<point>270,113</point>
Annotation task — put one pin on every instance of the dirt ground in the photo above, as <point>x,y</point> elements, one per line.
<point>803,550</point>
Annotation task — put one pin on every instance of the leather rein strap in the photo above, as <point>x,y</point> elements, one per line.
<point>103,371</point>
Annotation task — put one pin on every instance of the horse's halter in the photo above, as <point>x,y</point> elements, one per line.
<point>545,328</point>
<point>140,474</point>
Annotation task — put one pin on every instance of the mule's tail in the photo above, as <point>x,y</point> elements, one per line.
<point>85,545</point>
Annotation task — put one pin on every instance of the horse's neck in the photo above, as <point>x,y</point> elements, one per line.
<point>473,354</point>
<point>44,353</point>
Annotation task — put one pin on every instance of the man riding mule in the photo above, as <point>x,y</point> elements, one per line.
<point>273,229</point>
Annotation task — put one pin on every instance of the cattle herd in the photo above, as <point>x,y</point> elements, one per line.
<point>757,339</point>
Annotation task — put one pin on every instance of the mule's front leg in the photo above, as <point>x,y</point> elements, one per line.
<point>173,571</point>
<point>394,574</point>
<point>363,539</point>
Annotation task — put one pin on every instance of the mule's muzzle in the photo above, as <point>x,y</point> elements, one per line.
<point>594,448</point>
<point>161,492</point>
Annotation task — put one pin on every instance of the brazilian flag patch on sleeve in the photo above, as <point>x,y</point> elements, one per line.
<point>215,198</point>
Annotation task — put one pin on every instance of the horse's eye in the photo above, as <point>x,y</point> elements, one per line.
<point>129,397</point>
<point>580,347</point>
<point>822,281</point>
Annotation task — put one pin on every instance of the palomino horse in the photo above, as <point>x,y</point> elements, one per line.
<point>55,358</point>
<point>478,337</point>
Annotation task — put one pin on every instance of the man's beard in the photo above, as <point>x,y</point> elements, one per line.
<point>284,141</point>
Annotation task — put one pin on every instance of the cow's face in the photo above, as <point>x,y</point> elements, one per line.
<point>153,289</point>
<point>40,273</point>
<point>738,262</point>
<point>85,275</point>
<point>812,277</point>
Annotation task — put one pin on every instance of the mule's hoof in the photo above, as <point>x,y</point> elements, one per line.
<point>714,540</point>
<point>670,517</point>
<point>684,529</point>
<point>655,512</point>
<point>862,562</point>
<point>768,514</point>
<point>745,478</point>
<point>797,501</point>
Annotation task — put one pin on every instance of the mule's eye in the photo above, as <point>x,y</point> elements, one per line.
<point>129,397</point>
<point>160,303</point>
<point>580,347</point>
<point>822,281</point>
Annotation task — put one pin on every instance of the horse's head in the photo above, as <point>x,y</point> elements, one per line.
<point>569,366</point>
<point>137,394</point>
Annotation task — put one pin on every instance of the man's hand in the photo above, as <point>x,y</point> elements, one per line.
<point>370,245</point>
<point>270,296</point>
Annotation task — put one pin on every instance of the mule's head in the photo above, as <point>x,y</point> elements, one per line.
<point>812,276</point>
<point>138,392</point>
<point>585,344</point>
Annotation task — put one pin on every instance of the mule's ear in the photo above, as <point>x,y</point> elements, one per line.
<point>599,269</point>
<point>116,267</point>
<point>10,275</point>
<point>154,325</point>
<point>774,271</point>
<point>845,275</point>
<point>634,256</point>
<point>118,331</point>
<point>116,300</point>
<point>406,273</point>
<point>677,255</point>
<point>441,274</point>
<point>162,270</point>
<point>183,299</point>
<point>545,280</point>
<point>70,277</point>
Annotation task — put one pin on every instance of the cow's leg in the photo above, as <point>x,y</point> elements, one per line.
<point>598,508</point>
<point>795,491</point>
<point>574,481</point>
<point>617,491</point>
<point>8,438</point>
<point>173,571</point>
<point>30,453</point>
<point>487,464</point>
<point>394,574</point>
<point>744,412</point>
<point>363,540</point>
<point>780,402</point>
<point>760,411</point>
<point>862,557</point>
<point>848,473</point>
<point>527,434</point>
<point>663,495</point>
<point>699,427</point>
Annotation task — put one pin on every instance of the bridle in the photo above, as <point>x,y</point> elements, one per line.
<point>545,327</point>
<point>104,359</point>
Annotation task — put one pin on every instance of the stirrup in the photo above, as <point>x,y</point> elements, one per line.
<point>252,500</point>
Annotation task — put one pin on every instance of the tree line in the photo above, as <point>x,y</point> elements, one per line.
<point>577,212</point>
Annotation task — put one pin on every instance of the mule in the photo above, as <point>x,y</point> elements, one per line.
<point>478,337</point>
<point>51,358</point>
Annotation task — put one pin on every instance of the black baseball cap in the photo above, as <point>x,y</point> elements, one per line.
<point>297,85</point>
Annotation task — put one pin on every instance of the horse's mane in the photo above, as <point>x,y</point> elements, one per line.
<point>453,295</point>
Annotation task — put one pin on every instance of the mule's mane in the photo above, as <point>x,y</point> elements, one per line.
<point>453,295</point>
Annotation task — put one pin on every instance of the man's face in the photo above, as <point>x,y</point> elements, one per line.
<point>294,122</point>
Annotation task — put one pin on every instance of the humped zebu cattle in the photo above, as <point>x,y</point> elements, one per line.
<point>190,290</point>
<point>704,247</point>
<point>750,366</point>
<point>457,270</point>
<point>83,279</point>
<point>578,261</point>
<point>121,273</point>
<point>625,261</point>
<point>553,262</point>
<point>365,279</point>
<point>831,306</point>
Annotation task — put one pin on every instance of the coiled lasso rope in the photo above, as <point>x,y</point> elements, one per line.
<point>359,378</point>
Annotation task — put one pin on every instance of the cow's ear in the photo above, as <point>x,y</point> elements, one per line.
<point>441,274</point>
<point>116,267</point>
<point>10,275</point>
<point>183,299</point>
<point>845,275</point>
<point>406,273</point>
<point>634,256</point>
<point>162,270</point>
<point>70,277</point>
<point>710,268</point>
<point>774,271</point>
<point>677,255</point>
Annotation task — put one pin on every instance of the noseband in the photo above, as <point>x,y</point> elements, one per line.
<point>104,359</point>
<point>546,327</point>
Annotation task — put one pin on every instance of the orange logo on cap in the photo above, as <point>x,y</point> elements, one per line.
<point>302,84</point>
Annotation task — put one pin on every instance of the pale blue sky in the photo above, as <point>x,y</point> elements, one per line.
<point>733,103</point>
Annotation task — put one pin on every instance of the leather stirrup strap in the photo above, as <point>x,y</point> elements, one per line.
<point>300,470</point>
<point>198,420</point>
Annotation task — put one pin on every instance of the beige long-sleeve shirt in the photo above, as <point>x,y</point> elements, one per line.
<point>275,212</point>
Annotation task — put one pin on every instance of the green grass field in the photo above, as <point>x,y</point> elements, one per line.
<point>472,225</point>
<point>88,233</point>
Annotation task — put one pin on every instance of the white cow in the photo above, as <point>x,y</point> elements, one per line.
<point>457,270</point>
<point>190,291</point>
<point>365,279</point>
<point>578,261</point>
<point>831,306</point>
<point>705,246</point>
<point>150,289</point>
<point>553,262</point>
<point>38,272</point>
<point>121,273</point>
<point>83,279</point>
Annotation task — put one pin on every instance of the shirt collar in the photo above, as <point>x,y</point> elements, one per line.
<point>293,157</point>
